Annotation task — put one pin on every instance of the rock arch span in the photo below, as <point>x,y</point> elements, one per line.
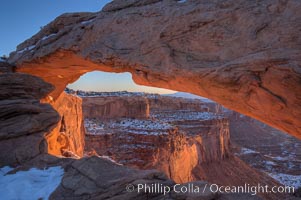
<point>245,55</point>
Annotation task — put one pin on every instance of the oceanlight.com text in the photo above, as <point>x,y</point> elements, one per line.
<point>158,188</point>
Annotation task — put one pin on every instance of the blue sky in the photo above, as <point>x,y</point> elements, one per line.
<point>22,19</point>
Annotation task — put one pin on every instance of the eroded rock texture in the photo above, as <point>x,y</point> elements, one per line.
<point>5,67</point>
<point>185,144</point>
<point>68,135</point>
<point>242,54</point>
<point>163,103</point>
<point>175,152</point>
<point>115,107</point>
<point>177,137</point>
<point>95,178</point>
<point>24,120</point>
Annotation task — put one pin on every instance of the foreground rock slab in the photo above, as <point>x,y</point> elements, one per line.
<point>24,120</point>
<point>96,178</point>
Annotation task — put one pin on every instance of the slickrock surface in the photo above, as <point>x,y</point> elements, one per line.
<point>68,135</point>
<point>96,178</point>
<point>24,120</point>
<point>242,54</point>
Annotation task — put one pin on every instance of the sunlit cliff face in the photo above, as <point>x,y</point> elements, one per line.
<point>67,138</point>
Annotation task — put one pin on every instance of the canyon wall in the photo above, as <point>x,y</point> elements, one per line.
<point>68,135</point>
<point>177,137</point>
<point>176,153</point>
<point>242,54</point>
<point>115,107</point>
<point>185,144</point>
<point>159,102</point>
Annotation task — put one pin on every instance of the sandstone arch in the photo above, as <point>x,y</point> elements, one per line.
<point>245,55</point>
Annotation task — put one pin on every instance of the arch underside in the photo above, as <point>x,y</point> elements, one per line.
<point>246,58</point>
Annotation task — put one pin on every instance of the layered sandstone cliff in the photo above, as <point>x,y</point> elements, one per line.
<point>111,107</point>
<point>242,54</point>
<point>24,120</point>
<point>186,145</point>
<point>177,137</point>
<point>162,103</point>
<point>154,145</point>
<point>68,136</point>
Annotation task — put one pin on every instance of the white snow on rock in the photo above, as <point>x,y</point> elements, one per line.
<point>48,36</point>
<point>140,132</point>
<point>183,115</point>
<point>134,126</point>
<point>278,158</point>
<point>32,184</point>
<point>94,127</point>
<point>110,159</point>
<point>141,124</point>
<point>88,21</point>
<point>287,179</point>
<point>27,49</point>
<point>181,1</point>
<point>4,170</point>
<point>247,151</point>
<point>270,163</point>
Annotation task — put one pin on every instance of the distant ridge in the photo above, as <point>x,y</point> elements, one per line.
<point>184,95</point>
<point>187,96</point>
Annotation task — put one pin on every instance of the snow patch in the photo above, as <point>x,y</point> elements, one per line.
<point>48,36</point>
<point>270,163</point>
<point>278,158</point>
<point>88,21</point>
<point>93,127</point>
<point>5,170</point>
<point>181,1</point>
<point>140,132</point>
<point>184,115</point>
<point>141,124</point>
<point>287,179</point>
<point>110,159</point>
<point>26,49</point>
<point>247,151</point>
<point>128,125</point>
<point>32,184</point>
